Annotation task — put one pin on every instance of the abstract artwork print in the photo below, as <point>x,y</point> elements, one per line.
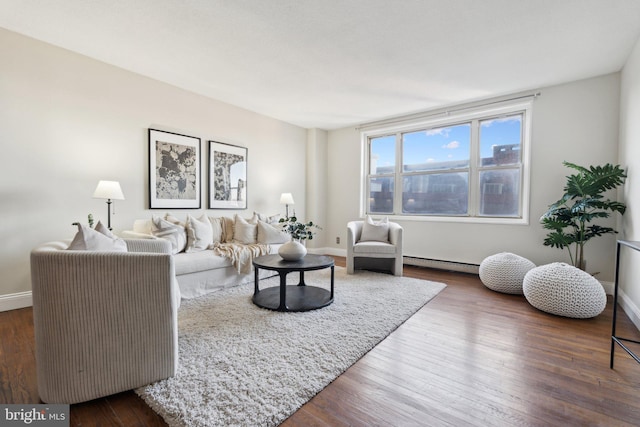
<point>174,170</point>
<point>227,176</point>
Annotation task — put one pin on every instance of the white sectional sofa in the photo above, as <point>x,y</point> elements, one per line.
<point>211,253</point>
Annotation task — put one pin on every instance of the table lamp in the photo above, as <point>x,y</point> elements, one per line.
<point>109,190</point>
<point>286,199</point>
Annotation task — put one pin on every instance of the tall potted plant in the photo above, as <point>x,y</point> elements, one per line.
<point>570,218</point>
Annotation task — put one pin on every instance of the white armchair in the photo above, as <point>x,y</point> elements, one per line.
<point>104,322</point>
<point>374,255</point>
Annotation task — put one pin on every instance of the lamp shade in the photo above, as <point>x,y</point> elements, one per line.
<point>108,190</point>
<point>286,199</point>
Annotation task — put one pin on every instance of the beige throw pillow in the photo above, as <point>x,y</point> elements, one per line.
<point>375,231</point>
<point>227,229</point>
<point>88,239</point>
<point>268,234</point>
<point>199,234</point>
<point>217,230</point>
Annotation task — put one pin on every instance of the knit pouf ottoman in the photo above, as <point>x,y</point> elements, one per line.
<point>504,272</point>
<point>564,290</point>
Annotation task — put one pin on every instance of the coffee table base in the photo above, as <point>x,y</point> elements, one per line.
<point>291,297</point>
<point>299,298</point>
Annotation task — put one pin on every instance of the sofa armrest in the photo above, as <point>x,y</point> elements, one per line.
<point>104,322</point>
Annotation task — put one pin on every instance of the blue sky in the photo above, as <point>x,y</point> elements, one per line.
<point>449,143</point>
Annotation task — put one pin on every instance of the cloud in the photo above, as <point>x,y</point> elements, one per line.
<point>430,160</point>
<point>440,131</point>
<point>452,145</point>
<point>487,123</point>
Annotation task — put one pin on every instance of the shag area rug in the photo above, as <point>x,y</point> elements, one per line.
<point>241,365</point>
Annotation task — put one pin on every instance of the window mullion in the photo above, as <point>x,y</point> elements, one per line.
<point>474,160</point>
<point>397,203</point>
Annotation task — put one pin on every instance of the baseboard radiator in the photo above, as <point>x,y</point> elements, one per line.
<point>442,265</point>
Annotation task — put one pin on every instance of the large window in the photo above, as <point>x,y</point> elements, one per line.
<point>471,167</point>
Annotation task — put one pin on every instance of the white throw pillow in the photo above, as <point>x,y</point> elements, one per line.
<point>267,234</point>
<point>243,232</point>
<point>174,233</point>
<point>100,228</point>
<point>375,231</point>
<point>88,239</point>
<point>199,234</point>
<point>273,219</point>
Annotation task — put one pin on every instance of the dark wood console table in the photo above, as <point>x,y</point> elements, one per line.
<point>614,338</point>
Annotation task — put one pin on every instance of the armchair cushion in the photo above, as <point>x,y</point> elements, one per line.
<point>375,231</point>
<point>374,248</point>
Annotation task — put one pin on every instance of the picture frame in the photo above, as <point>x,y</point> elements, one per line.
<point>227,176</point>
<point>174,171</point>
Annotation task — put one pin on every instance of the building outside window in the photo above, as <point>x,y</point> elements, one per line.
<point>464,167</point>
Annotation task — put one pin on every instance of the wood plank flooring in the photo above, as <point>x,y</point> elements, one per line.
<point>470,357</point>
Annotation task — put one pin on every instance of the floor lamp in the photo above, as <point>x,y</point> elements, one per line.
<point>109,190</point>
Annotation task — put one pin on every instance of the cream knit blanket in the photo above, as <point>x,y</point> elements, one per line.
<point>241,255</point>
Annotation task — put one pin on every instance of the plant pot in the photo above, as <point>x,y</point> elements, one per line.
<point>292,251</point>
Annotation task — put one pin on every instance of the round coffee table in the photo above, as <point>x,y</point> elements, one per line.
<point>298,297</point>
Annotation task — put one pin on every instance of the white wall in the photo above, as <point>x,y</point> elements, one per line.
<point>577,122</point>
<point>67,121</point>
<point>630,159</point>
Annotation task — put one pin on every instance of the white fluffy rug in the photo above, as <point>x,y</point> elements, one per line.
<point>241,365</point>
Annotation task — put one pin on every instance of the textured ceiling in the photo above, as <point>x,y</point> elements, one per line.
<point>334,63</point>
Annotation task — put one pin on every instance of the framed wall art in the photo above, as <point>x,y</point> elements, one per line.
<point>174,171</point>
<point>227,176</point>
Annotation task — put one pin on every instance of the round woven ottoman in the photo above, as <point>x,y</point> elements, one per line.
<point>564,290</point>
<point>504,272</point>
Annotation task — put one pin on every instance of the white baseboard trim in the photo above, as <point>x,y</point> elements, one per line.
<point>632,310</point>
<point>608,287</point>
<point>329,251</point>
<point>15,301</point>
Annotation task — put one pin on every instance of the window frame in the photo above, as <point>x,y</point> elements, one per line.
<point>462,115</point>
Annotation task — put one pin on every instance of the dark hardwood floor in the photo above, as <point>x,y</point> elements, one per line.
<point>470,357</point>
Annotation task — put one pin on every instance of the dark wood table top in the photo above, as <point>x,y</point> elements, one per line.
<point>308,263</point>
